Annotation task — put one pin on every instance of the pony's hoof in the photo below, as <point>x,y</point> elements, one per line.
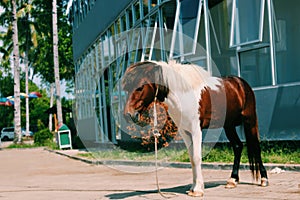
<point>195,193</point>
<point>264,182</point>
<point>231,183</point>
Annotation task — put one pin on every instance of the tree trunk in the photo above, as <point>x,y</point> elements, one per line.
<point>56,63</point>
<point>17,108</point>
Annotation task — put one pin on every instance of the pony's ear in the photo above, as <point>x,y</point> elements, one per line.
<point>162,92</point>
<point>135,73</point>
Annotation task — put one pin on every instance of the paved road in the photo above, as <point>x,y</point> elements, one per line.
<point>37,174</point>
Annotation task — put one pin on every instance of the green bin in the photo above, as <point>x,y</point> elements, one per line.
<point>64,137</point>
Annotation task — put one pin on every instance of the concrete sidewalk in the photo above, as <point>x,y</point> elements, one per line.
<point>43,175</point>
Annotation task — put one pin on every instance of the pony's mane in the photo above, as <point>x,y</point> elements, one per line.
<point>136,72</point>
<point>187,76</point>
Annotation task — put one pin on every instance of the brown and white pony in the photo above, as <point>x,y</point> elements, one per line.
<point>196,100</point>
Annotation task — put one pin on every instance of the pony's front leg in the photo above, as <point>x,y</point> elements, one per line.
<point>193,143</point>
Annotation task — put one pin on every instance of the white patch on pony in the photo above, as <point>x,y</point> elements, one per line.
<point>185,83</point>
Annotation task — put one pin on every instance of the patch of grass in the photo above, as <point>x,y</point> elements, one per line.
<point>166,155</point>
<point>272,152</point>
<point>275,152</point>
<point>49,144</point>
<point>280,156</point>
<point>219,153</point>
<point>22,145</point>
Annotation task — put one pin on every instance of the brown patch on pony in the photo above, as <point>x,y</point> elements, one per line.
<point>239,107</point>
<point>211,116</point>
<point>232,107</point>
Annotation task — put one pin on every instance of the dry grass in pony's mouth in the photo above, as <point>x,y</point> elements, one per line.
<point>166,126</point>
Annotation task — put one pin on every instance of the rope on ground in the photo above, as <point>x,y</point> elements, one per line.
<point>156,136</point>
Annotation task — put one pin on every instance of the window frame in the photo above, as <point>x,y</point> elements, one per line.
<point>233,44</point>
<point>178,32</point>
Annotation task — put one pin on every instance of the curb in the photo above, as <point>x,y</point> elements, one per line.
<point>215,166</point>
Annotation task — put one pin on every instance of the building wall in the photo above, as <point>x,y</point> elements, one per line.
<point>262,49</point>
<point>92,20</point>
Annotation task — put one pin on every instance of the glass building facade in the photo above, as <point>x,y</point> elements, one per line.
<point>257,40</point>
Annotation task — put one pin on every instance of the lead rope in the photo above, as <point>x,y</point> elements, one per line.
<point>156,134</point>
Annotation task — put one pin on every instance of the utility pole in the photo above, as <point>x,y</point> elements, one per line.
<point>26,62</point>
<point>26,91</point>
<point>51,105</point>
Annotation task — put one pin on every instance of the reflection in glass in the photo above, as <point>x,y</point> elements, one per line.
<point>256,67</point>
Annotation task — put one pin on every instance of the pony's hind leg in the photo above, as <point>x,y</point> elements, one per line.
<point>237,147</point>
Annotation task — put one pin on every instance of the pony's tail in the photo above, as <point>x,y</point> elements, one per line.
<point>251,132</point>
<point>254,151</point>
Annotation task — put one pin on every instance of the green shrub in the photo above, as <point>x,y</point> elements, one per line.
<point>43,137</point>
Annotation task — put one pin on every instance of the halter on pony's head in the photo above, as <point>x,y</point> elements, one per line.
<point>143,81</point>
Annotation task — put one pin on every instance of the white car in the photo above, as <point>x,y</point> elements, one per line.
<point>8,133</point>
<point>29,134</point>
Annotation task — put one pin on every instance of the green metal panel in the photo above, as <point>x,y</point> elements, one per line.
<point>64,138</point>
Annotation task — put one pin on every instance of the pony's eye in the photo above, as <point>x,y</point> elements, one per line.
<point>140,88</point>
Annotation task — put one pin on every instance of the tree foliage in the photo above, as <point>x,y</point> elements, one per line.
<point>44,54</point>
<point>35,35</point>
<point>35,44</point>
<point>6,112</point>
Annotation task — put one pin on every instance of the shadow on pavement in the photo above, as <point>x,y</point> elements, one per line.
<point>175,190</point>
